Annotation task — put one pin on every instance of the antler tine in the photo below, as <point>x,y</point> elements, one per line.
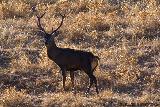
<point>53,31</point>
<point>42,14</point>
<point>63,16</point>
<point>39,23</point>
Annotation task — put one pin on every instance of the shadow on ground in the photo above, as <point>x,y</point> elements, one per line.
<point>34,81</point>
<point>38,81</point>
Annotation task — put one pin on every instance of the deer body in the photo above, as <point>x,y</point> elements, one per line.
<point>69,59</point>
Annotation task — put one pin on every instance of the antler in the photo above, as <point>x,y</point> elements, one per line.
<point>39,22</point>
<point>39,19</point>
<point>63,16</point>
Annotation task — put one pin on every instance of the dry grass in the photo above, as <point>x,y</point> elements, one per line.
<point>125,35</point>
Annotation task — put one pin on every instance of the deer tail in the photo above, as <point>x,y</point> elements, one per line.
<point>97,57</point>
<point>95,62</point>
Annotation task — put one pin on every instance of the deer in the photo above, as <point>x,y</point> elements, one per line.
<point>69,59</point>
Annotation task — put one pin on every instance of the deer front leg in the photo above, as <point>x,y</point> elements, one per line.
<point>72,80</point>
<point>64,79</point>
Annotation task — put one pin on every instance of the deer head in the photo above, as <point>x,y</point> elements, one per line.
<point>48,36</point>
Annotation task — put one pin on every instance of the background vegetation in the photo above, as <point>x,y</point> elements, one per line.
<point>125,34</point>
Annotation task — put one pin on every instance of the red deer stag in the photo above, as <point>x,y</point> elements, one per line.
<point>69,59</point>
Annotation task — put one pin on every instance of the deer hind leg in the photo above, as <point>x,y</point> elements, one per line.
<point>90,84</point>
<point>93,80</point>
<point>94,66</point>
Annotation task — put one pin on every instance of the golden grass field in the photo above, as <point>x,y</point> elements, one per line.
<point>125,35</point>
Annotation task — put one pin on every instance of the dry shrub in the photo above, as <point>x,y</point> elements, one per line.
<point>13,98</point>
<point>5,59</point>
<point>84,24</point>
<point>102,27</point>
<point>152,32</point>
<point>127,70</point>
<point>70,100</point>
<point>1,11</point>
<point>59,99</point>
<point>142,17</point>
<point>15,9</point>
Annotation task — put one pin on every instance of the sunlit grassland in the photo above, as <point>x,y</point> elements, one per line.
<point>125,35</point>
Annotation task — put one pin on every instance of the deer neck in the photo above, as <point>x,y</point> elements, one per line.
<point>52,46</point>
<point>52,50</point>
